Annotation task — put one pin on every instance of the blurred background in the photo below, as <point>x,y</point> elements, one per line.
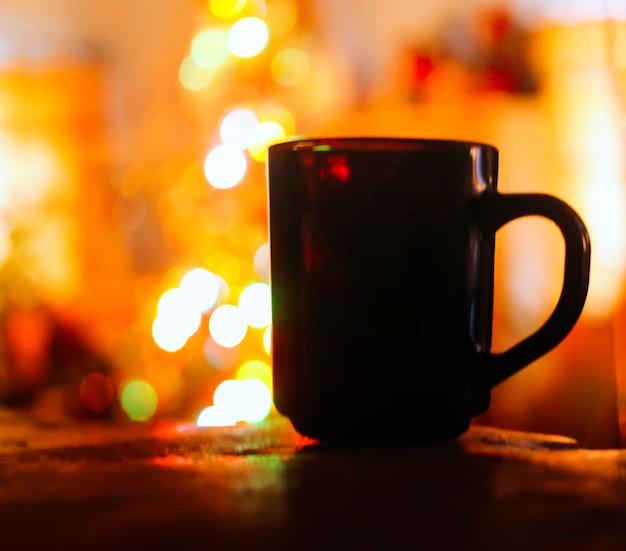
<point>133,216</point>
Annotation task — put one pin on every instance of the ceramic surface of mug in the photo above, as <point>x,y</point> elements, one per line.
<point>382,268</point>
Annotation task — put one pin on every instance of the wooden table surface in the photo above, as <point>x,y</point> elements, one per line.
<point>171,486</point>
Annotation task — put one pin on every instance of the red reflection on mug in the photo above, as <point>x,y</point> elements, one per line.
<point>337,168</point>
<point>313,257</point>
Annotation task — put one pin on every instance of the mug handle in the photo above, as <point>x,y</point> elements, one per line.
<point>495,210</point>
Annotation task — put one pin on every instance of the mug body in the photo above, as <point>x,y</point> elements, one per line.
<point>382,286</point>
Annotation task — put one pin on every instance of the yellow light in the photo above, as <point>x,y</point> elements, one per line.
<point>228,267</point>
<point>227,9</point>
<point>139,400</point>
<point>281,16</point>
<point>202,287</point>
<point>262,137</point>
<point>602,198</point>
<point>209,48</point>
<point>227,326</point>
<point>29,168</point>
<point>290,66</point>
<point>256,370</point>
<point>261,262</point>
<point>6,244</point>
<point>225,166</point>
<point>282,116</point>
<point>194,77</point>
<point>237,127</point>
<point>213,416</point>
<point>33,161</point>
<point>255,304</point>
<point>248,37</point>
<point>267,340</point>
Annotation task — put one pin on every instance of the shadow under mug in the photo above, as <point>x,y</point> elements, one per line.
<point>382,268</point>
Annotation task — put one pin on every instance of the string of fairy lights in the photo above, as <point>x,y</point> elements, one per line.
<point>212,299</point>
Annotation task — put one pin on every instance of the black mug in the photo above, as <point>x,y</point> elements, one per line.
<point>382,268</point>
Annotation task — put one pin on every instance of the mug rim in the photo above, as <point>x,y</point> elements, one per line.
<point>375,143</point>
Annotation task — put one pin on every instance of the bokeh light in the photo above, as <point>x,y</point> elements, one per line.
<point>226,264</point>
<point>227,326</point>
<point>96,392</point>
<point>261,262</point>
<point>237,127</point>
<point>248,37</point>
<point>192,76</point>
<point>139,400</point>
<point>226,9</point>
<point>181,308</point>
<point>168,334</point>
<point>255,304</point>
<point>213,416</point>
<point>202,287</point>
<point>290,66</point>
<point>265,134</point>
<point>172,303</point>
<point>246,400</point>
<point>227,397</point>
<point>225,166</point>
<point>255,369</point>
<point>209,48</point>
<point>267,340</point>
<point>255,401</point>
<point>224,287</point>
<point>282,116</point>
<point>6,244</point>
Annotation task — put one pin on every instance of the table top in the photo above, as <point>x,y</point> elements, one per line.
<point>96,486</point>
